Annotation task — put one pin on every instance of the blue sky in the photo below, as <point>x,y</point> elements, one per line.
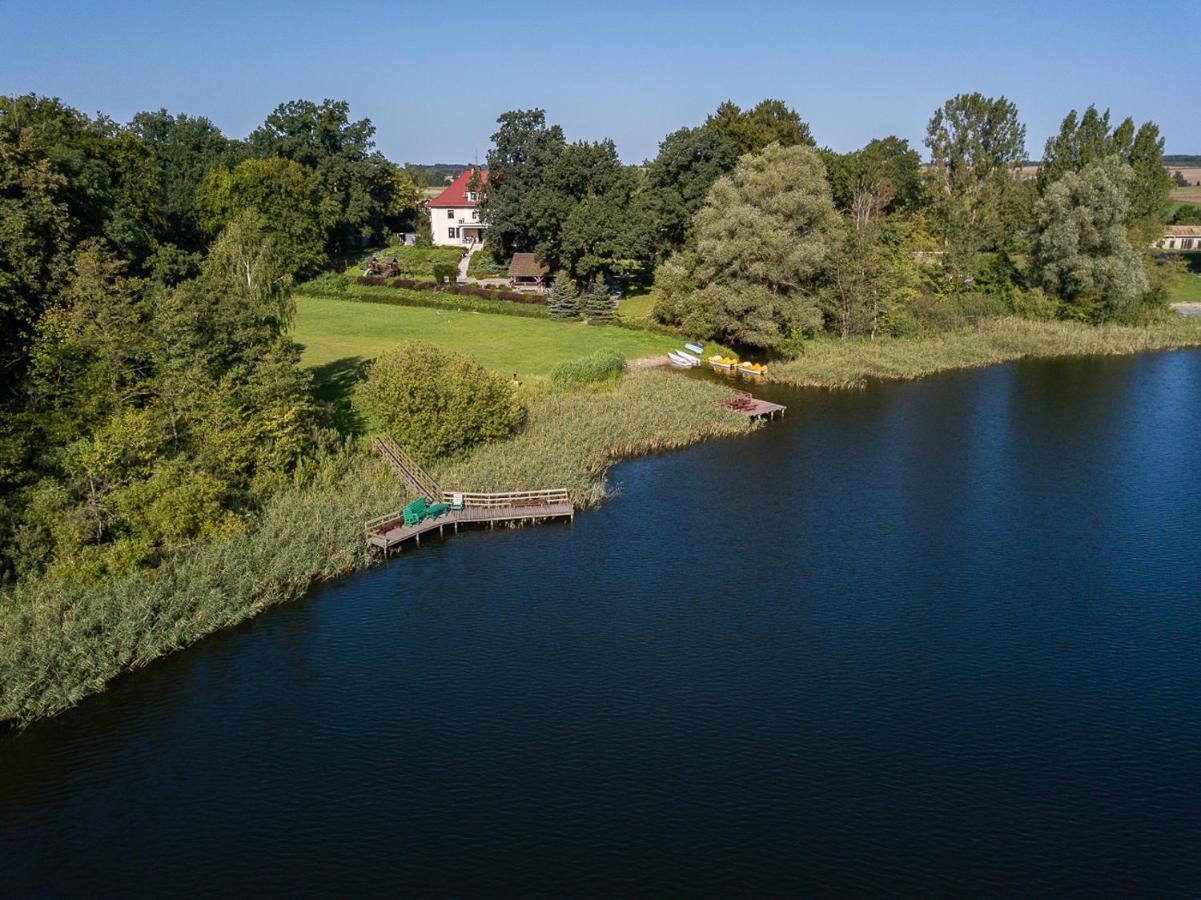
<point>434,77</point>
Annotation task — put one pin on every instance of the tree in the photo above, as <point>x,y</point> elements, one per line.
<point>1083,140</point>
<point>563,300</point>
<point>884,177</point>
<point>764,240</point>
<point>678,180</point>
<point>368,194</point>
<point>437,402</point>
<point>769,122</point>
<point>184,149</point>
<point>1081,252</point>
<point>976,144</point>
<point>286,199</point>
<point>515,202</point>
<point>598,302</point>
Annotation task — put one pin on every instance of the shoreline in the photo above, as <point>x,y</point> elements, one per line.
<point>852,363</point>
<point>573,440</point>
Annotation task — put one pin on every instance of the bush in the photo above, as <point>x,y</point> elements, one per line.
<point>445,274</point>
<point>602,365</point>
<point>437,402</point>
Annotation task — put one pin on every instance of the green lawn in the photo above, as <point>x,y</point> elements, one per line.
<point>341,332</point>
<point>1187,289</point>
<point>637,305</point>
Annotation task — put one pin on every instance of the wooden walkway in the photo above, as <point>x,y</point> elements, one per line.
<point>392,532</point>
<point>466,508</point>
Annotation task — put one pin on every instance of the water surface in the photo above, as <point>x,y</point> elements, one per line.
<point>940,636</point>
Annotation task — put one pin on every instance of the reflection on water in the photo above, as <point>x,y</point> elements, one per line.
<point>938,636</point>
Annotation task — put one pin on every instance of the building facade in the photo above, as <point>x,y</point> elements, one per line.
<point>1180,237</point>
<point>455,215</point>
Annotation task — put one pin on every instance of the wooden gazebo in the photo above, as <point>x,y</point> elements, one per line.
<point>526,271</point>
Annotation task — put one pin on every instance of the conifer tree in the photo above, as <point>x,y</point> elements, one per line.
<point>563,301</point>
<point>598,305</point>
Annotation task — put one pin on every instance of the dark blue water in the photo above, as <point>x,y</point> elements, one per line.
<point>938,637</point>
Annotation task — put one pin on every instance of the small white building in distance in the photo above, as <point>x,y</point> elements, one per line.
<point>1181,237</point>
<point>454,214</point>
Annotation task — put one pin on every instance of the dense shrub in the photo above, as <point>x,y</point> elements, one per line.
<point>437,402</point>
<point>602,365</point>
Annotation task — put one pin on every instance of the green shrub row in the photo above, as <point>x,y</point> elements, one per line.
<point>342,288</point>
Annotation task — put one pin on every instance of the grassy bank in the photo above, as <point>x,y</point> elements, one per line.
<point>830,362</point>
<point>333,331</point>
<point>60,641</point>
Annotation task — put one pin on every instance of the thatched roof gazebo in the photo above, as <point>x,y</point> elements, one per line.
<point>525,270</point>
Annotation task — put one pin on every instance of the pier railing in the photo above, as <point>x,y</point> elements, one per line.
<point>407,467</point>
<point>506,499</point>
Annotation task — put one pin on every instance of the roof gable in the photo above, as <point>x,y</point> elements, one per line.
<point>456,192</point>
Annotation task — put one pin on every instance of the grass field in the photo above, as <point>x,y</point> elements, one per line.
<point>340,332</point>
<point>1187,195</point>
<point>1187,289</point>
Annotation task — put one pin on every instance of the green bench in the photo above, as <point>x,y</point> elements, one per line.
<point>415,511</point>
<point>418,511</point>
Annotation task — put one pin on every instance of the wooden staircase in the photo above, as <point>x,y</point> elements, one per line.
<point>408,468</point>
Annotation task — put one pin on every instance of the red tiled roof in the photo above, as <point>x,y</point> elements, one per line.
<point>456,192</point>
<point>1183,231</point>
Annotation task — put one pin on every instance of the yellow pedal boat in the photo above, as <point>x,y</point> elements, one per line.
<point>750,368</point>
<point>723,363</point>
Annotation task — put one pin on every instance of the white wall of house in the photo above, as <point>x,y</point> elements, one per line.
<point>452,226</point>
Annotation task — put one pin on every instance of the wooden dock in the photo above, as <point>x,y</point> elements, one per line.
<point>466,508</point>
<point>752,407</point>
<point>387,532</point>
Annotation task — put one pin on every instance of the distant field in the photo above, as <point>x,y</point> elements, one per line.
<point>1187,195</point>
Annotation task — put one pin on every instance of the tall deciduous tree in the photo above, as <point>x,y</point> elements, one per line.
<point>884,177</point>
<point>1081,253</point>
<point>524,148</point>
<point>184,149</point>
<point>369,193</point>
<point>977,144</point>
<point>678,180</point>
<point>1083,140</point>
<point>768,122</point>
<point>764,240</point>
<point>287,200</point>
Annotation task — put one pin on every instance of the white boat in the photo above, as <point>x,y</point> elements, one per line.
<point>695,348</point>
<point>682,360</point>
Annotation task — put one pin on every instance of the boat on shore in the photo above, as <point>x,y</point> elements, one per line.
<point>723,363</point>
<point>694,348</point>
<point>682,360</point>
<point>754,370</point>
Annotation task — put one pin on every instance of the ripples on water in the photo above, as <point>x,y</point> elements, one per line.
<point>938,636</point>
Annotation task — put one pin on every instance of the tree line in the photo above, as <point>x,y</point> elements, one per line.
<point>757,236</point>
<point>150,395</point>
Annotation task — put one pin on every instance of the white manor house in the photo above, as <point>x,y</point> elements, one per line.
<point>454,214</point>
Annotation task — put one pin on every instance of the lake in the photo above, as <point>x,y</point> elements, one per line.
<point>942,636</point>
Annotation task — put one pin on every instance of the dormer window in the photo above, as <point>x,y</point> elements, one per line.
<point>471,196</point>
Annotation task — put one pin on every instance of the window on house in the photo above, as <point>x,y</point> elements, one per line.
<point>450,232</point>
<point>475,214</point>
<point>450,214</point>
<point>1187,244</point>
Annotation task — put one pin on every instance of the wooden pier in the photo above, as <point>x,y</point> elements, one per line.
<point>752,407</point>
<point>390,531</point>
<point>463,507</point>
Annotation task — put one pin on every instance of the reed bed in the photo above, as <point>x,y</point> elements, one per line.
<point>834,363</point>
<point>61,641</point>
<point>572,439</point>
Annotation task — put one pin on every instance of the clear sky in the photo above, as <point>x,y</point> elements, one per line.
<point>433,77</point>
